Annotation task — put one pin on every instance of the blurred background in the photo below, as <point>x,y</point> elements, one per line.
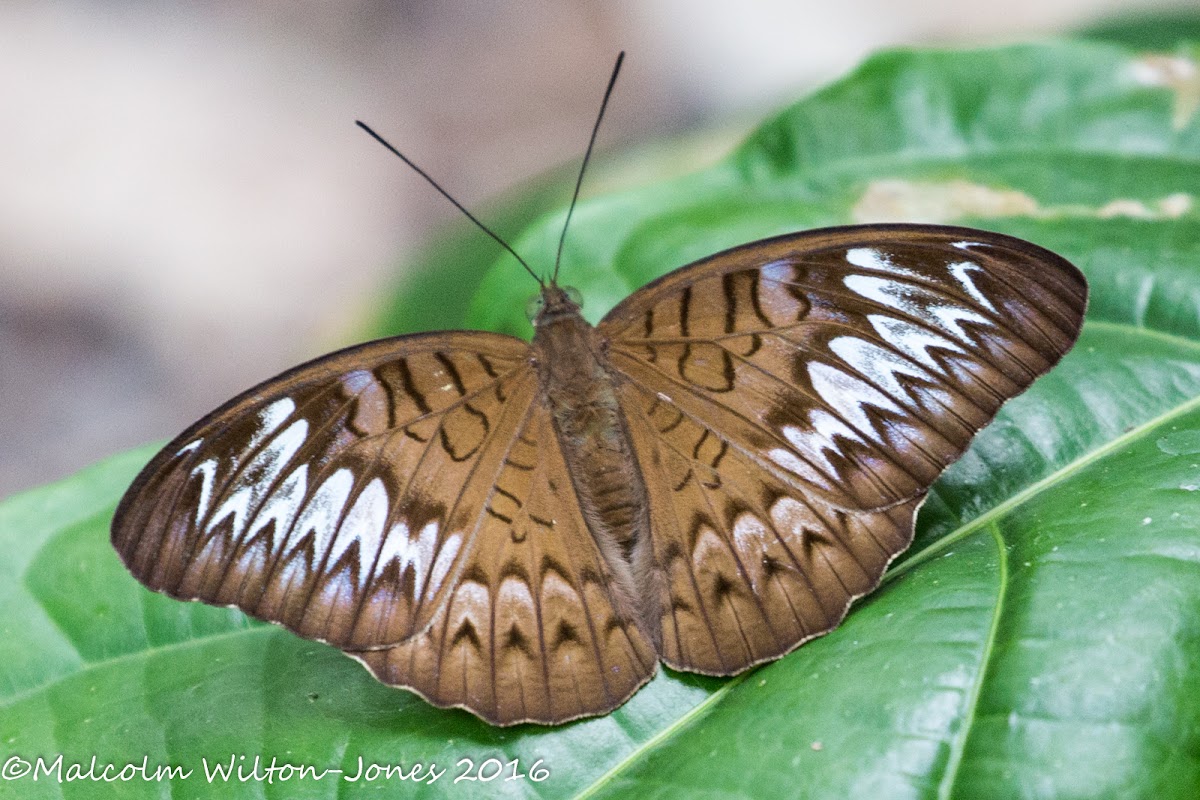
<point>186,207</point>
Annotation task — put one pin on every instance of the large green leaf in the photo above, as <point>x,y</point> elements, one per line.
<point>1040,639</point>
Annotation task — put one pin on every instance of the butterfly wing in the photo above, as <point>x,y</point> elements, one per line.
<point>792,401</point>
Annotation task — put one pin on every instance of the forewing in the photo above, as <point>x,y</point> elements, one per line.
<point>535,629</point>
<point>341,498</point>
<point>792,401</point>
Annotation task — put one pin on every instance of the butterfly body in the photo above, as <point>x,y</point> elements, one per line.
<point>707,478</point>
<point>580,389</point>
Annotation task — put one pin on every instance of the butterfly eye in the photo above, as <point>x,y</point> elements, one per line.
<point>573,295</point>
<point>534,307</point>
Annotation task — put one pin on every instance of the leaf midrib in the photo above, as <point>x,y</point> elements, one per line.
<point>958,743</point>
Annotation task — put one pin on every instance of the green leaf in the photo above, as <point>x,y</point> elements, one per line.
<point>1040,639</point>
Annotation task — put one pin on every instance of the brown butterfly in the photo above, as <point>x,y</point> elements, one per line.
<point>707,478</point>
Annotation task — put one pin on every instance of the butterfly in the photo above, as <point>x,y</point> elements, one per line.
<point>708,478</point>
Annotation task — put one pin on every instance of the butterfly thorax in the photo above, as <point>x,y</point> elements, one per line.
<point>579,387</point>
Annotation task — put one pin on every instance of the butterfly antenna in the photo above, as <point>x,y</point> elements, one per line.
<point>447,195</point>
<point>612,81</point>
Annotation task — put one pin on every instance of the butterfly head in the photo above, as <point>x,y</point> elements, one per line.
<point>553,301</point>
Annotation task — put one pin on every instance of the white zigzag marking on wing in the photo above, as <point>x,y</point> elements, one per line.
<point>421,553</point>
<point>912,340</point>
<point>904,298</point>
<point>260,473</point>
<point>788,460</point>
<point>870,258</point>
<point>321,512</point>
<point>880,365</point>
<point>207,470</point>
<point>281,505</point>
<point>363,523</point>
<point>269,418</point>
<point>850,396</point>
<point>815,443</point>
<point>961,271</point>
